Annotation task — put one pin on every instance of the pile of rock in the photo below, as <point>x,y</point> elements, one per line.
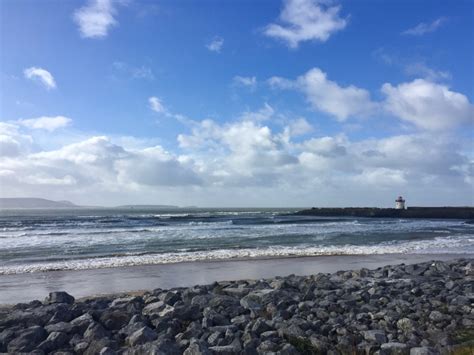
<point>417,309</point>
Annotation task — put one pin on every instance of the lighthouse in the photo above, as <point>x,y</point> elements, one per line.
<point>400,203</point>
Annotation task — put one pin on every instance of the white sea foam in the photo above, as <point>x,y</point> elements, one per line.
<point>441,245</point>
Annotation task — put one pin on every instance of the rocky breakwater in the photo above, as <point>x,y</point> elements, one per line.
<point>417,309</point>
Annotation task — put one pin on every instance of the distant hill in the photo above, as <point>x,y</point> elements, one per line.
<point>28,202</point>
<point>149,206</point>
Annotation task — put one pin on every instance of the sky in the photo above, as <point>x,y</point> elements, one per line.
<point>238,103</point>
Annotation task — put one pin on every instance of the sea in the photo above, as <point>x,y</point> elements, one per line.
<point>79,239</point>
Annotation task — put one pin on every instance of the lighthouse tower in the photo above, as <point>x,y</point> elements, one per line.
<point>400,203</point>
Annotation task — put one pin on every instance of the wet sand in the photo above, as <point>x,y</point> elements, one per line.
<point>82,283</point>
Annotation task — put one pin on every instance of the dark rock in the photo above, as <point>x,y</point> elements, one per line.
<point>27,340</point>
<point>114,319</point>
<point>232,349</point>
<point>394,349</point>
<point>197,348</point>
<point>142,336</point>
<point>82,322</point>
<point>59,297</point>
<point>55,340</point>
<point>376,336</point>
<point>63,327</point>
<point>94,332</point>
<point>257,300</point>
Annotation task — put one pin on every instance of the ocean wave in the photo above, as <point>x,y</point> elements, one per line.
<point>459,245</point>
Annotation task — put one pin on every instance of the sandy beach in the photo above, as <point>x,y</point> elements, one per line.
<point>82,283</point>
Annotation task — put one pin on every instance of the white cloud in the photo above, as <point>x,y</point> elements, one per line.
<point>427,105</point>
<point>216,44</point>
<point>327,96</point>
<point>47,123</point>
<point>248,81</point>
<point>420,69</point>
<point>42,75</point>
<point>299,127</point>
<point>381,177</point>
<point>265,113</point>
<point>423,28</point>
<point>157,105</point>
<point>9,147</point>
<point>306,20</point>
<point>96,18</point>
<point>247,162</point>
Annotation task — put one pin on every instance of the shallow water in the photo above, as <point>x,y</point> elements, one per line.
<point>46,240</point>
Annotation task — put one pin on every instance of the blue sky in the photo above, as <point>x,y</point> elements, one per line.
<point>245,103</point>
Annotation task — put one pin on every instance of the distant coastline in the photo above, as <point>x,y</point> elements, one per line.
<point>410,212</point>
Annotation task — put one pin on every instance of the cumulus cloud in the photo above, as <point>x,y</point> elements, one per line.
<point>427,105</point>
<point>216,44</point>
<point>47,123</point>
<point>327,96</point>
<point>422,102</point>
<point>306,20</point>
<point>246,160</point>
<point>248,81</point>
<point>423,28</point>
<point>263,114</point>
<point>96,18</point>
<point>42,75</point>
<point>299,126</point>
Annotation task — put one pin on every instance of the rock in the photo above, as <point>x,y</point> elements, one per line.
<point>82,322</point>
<point>257,300</point>
<point>267,347</point>
<point>59,297</point>
<point>437,316</point>
<point>97,345</point>
<point>107,351</point>
<point>81,347</point>
<point>234,348</point>
<point>169,297</point>
<point>5,337</point>
<point>260,326</point>
<point>423,351</point>
<point>142,336</point>
<point>376,336</point>
<point>292,331</point>
<point>158,347</point>
<point>63,327</point>
<point>288,349</point>
<point>394,349</point>
<point>114,319</point>
<point>27,340</point>
<point>214,338</point>
<point>94,332</point>
<point>197,348</point>
<point>153,308</point>
<point>55,340</point>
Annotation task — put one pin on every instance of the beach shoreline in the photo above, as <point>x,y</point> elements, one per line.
<point>109,281</point>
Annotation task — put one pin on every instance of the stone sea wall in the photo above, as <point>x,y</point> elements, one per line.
<point>419,309</point>
<point>410,212</point>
